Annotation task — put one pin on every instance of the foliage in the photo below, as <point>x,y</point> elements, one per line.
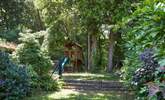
<point>81,21</point>
<point>73,20</point>
<point>29,52</point>
<point>46,83</point>
<point>16,16</point>
<point>15,80</point>
<point>154,89</point>
<point>146,72</point>
<point>149,77</point>
<point>95,14</point>
<point>11,35</point>
<point>143,29</point>
<point>11,13</point>
<point>62,23</point>
<point>157,87</point>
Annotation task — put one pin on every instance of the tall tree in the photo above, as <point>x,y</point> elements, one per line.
<point>94,14</point>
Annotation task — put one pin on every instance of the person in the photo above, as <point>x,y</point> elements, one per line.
<point>60,69</point>
<point>60,65</point>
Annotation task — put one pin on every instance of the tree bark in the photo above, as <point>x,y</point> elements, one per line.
<point>40,25</point>
<point>89,53</point>
<point>93,49</point>
<point>111,51</point>
<point>100,52</point>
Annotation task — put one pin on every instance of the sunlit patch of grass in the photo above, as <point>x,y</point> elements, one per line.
<point>90,76</point>
<point>63,93</point>
<point>67,94</point>
<point>70,94</point>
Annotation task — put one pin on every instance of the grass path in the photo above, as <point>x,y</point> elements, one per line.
<point>91,76</point>
<point>72,94</point>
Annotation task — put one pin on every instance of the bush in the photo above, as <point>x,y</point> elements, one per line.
<point>48,84</point>
<point>15,81</point>
<point>29,52</point>
<point>11,35</point>
<point>144,29</point>
<point>149,79</point>
<point>146,72</point>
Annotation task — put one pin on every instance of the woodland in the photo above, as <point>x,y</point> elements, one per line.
<point>47,47</point>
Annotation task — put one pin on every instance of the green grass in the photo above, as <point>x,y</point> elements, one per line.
<point>70,94</point>
<point>66,94</point>
<point>89,76</point>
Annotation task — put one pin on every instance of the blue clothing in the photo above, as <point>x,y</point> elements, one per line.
<point>60,66</point>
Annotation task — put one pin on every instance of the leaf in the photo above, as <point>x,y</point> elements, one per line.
<point>162,62</point>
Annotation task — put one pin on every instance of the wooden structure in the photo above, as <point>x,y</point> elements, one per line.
<point>75,54</point>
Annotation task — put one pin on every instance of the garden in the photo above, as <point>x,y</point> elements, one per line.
<point>82,50</point>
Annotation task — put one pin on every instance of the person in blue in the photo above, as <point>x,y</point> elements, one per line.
<point>60,66</point>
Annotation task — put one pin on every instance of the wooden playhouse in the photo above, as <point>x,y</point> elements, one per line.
<point>75,53</point>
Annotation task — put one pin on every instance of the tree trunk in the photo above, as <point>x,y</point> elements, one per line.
<point>111,49</point>
<point>40,25</point>
<point>89,53</point>
<point>93,49</point>
<point>100,52</point>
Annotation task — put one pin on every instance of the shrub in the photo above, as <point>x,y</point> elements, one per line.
<point>48,84</point>
<point>15,81</point>
<point>146,72</point>
<point>10,35</point>
<point>150,78</point>
<point>30,53</point>
<point>144,29</point>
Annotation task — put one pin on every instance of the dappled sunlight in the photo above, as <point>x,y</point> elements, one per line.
<point>91,76</point>
<point>82,50</point>
<point>84,74</point>
<point>63,93</point>
<point>71,94</point>
<point>66,94</point>
<point>89,95</point>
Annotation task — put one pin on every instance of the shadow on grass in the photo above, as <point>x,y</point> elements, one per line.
<point>97,96</point>
<point>88,76</point>
<point>83,95</point>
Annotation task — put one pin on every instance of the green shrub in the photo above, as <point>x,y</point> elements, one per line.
<point>15,81</point>
<point>29,52</point>
<point>48,84</point>
<point>11,35</point>
<point>144,29</point>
